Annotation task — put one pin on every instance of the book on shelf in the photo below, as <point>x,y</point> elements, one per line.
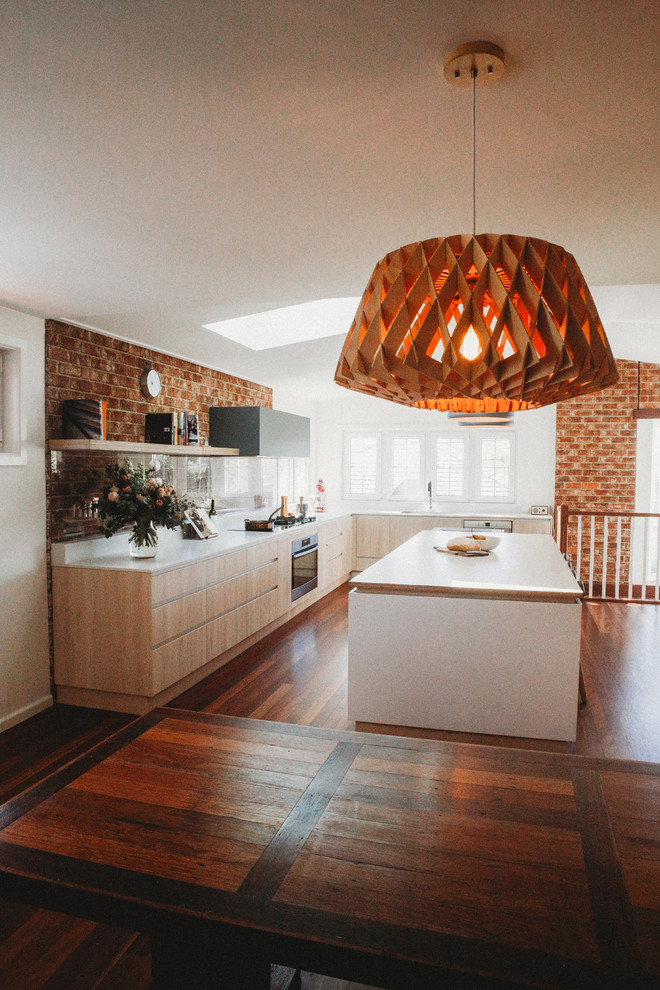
<point>84,419</point>
<point>175,428</point>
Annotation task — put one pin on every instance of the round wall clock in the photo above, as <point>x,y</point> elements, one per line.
<point>150,383</point>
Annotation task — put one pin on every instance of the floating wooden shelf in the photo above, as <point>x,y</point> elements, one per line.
<point>126,446</point>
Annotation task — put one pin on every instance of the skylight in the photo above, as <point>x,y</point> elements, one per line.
<point>291,324</point>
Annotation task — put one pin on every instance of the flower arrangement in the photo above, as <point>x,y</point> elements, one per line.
<point>133,495</point>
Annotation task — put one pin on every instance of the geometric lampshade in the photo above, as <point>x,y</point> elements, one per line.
<point>477,323</point>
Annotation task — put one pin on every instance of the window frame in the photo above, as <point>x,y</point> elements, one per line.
<point>346,464</point>
<point>14,356</point>
<point>471,439</point>
<point>432,463</point>
<point>388,438</point>
<point>494,433</point>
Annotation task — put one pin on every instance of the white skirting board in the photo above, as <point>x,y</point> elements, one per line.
<point>465,665</point>
<point>13,718</point>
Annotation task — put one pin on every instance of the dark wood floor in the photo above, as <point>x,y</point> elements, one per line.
<point>298,674</point>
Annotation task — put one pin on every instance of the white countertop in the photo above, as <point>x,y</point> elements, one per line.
<point>523,566</point>
<point>173,551</point>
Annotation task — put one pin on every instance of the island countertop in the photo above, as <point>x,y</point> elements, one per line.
<point>522,567</point>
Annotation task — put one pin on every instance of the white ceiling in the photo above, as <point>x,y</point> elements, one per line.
<point>165,165</point>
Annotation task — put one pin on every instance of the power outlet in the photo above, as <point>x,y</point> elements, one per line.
<point>540,510</point>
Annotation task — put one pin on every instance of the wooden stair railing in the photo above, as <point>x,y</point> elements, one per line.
<point>616,555</point>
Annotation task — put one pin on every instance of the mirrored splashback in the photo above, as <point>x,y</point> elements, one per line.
<point>247,483</point>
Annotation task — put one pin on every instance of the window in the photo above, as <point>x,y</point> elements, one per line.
<point>465,465</point>
<point>449,475</point>
<point>495,468</point>
<point>406,465</point>
<point>362,465</point>
<point>10,404</point>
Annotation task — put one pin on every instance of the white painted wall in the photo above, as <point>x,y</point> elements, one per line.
<point>535,444</point>
<point>24,673</point>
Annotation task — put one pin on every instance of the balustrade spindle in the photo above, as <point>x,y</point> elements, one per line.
<point>644,557</point>
<point>617,573</point>
<point>620,551</point>
<point>592,543</point>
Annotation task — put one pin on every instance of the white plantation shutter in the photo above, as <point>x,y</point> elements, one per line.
<point>463,465</point>
<point>363,465</point>
<point>406,453</point>
<point>449,467</point>
<point>495,468</point>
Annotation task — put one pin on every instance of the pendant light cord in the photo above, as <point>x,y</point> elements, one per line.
<point>474,153</point>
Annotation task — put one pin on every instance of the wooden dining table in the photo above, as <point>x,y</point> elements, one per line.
<point>394,862</point>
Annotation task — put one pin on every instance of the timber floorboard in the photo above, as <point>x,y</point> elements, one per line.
<point>297,674</point>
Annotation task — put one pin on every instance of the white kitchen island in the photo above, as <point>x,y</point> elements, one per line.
<point>468,644</point>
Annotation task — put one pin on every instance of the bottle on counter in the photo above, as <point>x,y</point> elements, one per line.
<point>320,496</point>
<point>212,511</point>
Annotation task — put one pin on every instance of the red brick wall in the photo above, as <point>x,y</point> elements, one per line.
<point>596,467</point>
<point>596,442</point>
<point>81,364</point>
<point>84,364</point>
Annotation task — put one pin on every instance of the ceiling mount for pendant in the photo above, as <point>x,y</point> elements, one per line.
<point>486,58</point>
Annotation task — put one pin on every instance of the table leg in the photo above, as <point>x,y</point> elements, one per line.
<point>205,963</point>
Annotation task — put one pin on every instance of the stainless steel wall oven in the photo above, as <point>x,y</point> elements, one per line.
<point>304,566</point>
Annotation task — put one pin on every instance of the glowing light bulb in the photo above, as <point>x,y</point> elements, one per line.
<point>470,347</point>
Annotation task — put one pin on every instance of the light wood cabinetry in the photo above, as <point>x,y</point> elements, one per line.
<point>372,539</point>
<point>542,524</point>
<point>403,527</point>
<point>122,639</point>
<point>130,641</point>
<point>99,628</point>
<point>336,551</point>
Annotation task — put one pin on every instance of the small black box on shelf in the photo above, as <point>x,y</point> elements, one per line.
<point>83,419</point>
<point>158,428</point>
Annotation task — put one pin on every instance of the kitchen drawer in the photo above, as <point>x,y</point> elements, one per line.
<point>263,610</point>
<point>176,583</point>
<point>264,553</point>
<point>262,579</point>
<point>178,658</point>
<point>336,541</point>
<point>227,595</point>
<point>176,617</point>
<point>331,531</point>
<point>337,568</point>
<point>226,565</point>
<point>226,631</point>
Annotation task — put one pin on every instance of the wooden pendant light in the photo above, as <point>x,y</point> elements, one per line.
<point>485,323</point>
<point>480,323</point>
